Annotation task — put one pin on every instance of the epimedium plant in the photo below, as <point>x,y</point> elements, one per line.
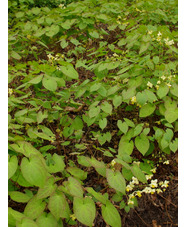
<point>91,84</point>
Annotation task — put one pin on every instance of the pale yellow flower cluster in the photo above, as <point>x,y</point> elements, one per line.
<point>168,42</point>
<point>159,36</point>
<point>10,91</point>
<point>62,6</point>
<point>133,100</point>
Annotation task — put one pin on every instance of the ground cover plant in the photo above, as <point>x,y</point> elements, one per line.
<point>93,122</point>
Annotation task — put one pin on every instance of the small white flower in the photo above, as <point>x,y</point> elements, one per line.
<point>115,55</point>
<point>113,163</point>
<point>158,190</point>
<point>147,190</point>
<point>149,84</point>
<point>130,202</point>
<point>165,184</point>
<point>153,183</point>
<point>148,177</point>
<point>131,196</point>
<point>153,170</point>
<point>135,180</point>
<point>133,99</point>
<point>163,77</point>
<point>166,162</point>
<point>61,6</point>
<point>129,188</point>
<point>137,163</point>
<point>158,82</point>
<point>149,32</point>
<point>10,91</point>
<point>159,34</point>
<point>169,85</point>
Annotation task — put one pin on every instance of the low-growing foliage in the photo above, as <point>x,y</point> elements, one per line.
<point>93,88</point>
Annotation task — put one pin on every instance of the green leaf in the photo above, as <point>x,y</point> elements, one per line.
<point>14,216</point>
<point>127,94</point>
<point>174,145</point>
<point>171,115</point>
<point>46,220</point>
<point>116,180</point>
<point>156,60</point>
<point>99,166</point>
<point>77,123</point>
<point>94,34</point>
<point>63,43</point>
<point>162,91</point>
<point>106,107</point>
<point>174,90</point>
<point>36,10</point>
<point>36,80</point>
<point>151,97</point>
<point>58,205</point>
<point>122,126</point>
<point>84,210</point>
<point>69,71</point>
<point>147,110</point>
<point>15,55</point>
<point>117,100</point>
<point>138,173</point>
<point>103,123</point>
<point>26,222</point>
<point>34,171</point>
<point>82,175</point>
<point>74,187</point>
<point>121,42</point>
<point>141,98</point>
<point>144,47</point>
<point>111,215</point>
<point>19,197</point>
<point>47,189</point>
<point>12,166</point>
<point>41,116</point>
<point>49,83</point>
<point>129,123</point>
<point>125,147</point>
<point>58,165</point>
<point>94,111</point>
<point>97,195</point>
<point>34,208</point>
<point>95,87</point>
<point>142,143</point>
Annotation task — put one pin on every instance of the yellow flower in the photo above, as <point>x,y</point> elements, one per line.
<point>138,193</point>
<point>73,217</point>
<point>129,187</point>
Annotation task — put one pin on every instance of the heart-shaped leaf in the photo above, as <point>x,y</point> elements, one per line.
<point>84,210</point>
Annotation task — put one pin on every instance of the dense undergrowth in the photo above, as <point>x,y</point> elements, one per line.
<point>93,92</point>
